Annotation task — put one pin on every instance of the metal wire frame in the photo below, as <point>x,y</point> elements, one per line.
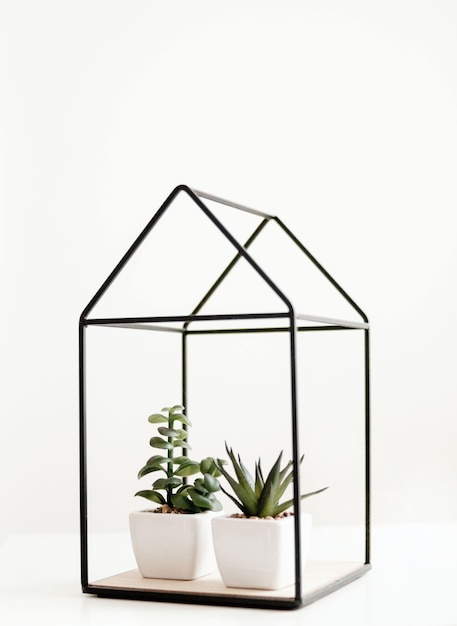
<point>291,326</point>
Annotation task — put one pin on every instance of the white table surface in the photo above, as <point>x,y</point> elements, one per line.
<point>413,582</point>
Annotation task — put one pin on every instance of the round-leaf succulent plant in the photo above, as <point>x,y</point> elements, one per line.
<point>172,490</point>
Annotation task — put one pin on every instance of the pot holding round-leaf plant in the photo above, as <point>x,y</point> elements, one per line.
<point>173,540</point>
<point>255,548</point>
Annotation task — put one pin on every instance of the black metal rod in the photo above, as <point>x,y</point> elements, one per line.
<point>225,331</point>
<point>367,449</point>
<point>180,331</point>
<point>181,318</point>
<point>234,600</point>
<point>227,270</point>
<point>295,457</point>
<point>321,269</point>
<point>184,387</point>
<point>240,248</point>
<point>331,321</point>
<point>131,251</point>
<point>163,329</point>
<point>184,370</point>
<point>272,329</point>
<point>82,456</point>
<point>233,205</point>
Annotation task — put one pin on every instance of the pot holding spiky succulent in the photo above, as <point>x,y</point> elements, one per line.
<point>174,540</point>
<point>256,548</point>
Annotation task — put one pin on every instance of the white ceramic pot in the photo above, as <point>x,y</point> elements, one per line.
<point>258,553</point>
<point>171,546</point>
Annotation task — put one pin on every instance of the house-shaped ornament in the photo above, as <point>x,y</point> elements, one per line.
<point>222,309</point>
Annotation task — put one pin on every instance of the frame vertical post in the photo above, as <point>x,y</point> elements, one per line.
<point>82,453</point>
<point>295,456</point>
<point>184,380</point>
<point>367,448</point>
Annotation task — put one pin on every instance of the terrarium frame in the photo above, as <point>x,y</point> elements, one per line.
<point>290,322</point>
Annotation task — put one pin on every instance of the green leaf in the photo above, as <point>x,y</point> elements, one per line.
<point>200,486</point>
<point>163,483</point>
<point>244,479</point>
<point>181,502</point>
<point>156,418</point>
<point>243,490</point>
<point>259,482</point>
<point>216,505</point>
<point>204,502</point>
<point>180,418</point>
<point>285,480</point>
<point>268,499</point>
<point>284,484</point>
<point>285,505</point>
<point>180,459</point>
<point>211,483</point>
<point>149,468</point>
<point>158,442</point>
<point>157,458</point>
<point>206,465</point>
<point>284,471</point>
<point>179,443</point>
<point>247,499</point>
<point>209,466</point>
<point>238,504</point>
<point>184,489</point>
<point>168,432</point>
<point>154,496</point>
<point>246,473</point>
<point>187,468</point>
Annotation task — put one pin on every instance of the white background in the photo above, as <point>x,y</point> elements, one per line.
<point>341,117</point>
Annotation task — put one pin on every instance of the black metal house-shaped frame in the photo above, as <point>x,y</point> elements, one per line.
<point>195,322</point>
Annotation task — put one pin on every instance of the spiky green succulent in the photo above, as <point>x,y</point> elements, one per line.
<point>172,489</point>
<point>260,497</point>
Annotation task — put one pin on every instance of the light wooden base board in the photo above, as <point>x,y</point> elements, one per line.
<point>315,576</point>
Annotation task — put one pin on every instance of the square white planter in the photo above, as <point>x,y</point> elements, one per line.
<point>258,553</point>
<point>177,547</point>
